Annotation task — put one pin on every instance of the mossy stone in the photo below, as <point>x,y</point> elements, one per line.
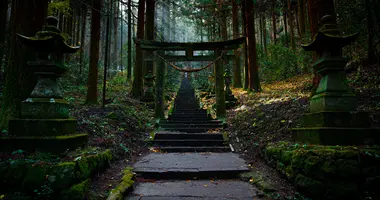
<point>311,164</point>
<point>328,166</point>
<point>287,157</point>
<point>298,161</point>
<point>347,153</point>
<point>76,192</point>
<point>289,172</point>
<point>82,169</point>
<point>34,177</point>
<point>343,190</point>
<point>61,175</point>
<point>16,173</point>
<point>309,186</point>
<point>347,168</point>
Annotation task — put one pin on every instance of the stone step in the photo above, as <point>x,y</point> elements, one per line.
<point>196,111</point>
<point>186,117</point>
<point>194,149</point>
<point>188,142</point>
<point>189,130</point>
<point>189,165</point>
<point>194,136</point>
<point>194,190</point>
<point>191,122</point>
<point>188,114</point>
<point>194,125</point>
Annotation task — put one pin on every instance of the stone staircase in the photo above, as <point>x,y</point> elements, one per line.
<point>188,128</point>
<point>194,162</point>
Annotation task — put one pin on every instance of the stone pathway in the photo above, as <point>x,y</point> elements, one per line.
<point>195,163</point>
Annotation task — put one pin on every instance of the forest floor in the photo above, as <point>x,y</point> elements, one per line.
<point>122,127</point>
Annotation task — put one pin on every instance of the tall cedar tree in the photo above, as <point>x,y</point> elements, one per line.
<point>149,31</point>
<point>137,85</point>
<point>129,75</point>
<point>3,22</point>
<point>253,66</point>
<point>245,48</point>
<point>92,85</point>
<point>27,17</point>
<point>235,26</point>
<point>82,38</point>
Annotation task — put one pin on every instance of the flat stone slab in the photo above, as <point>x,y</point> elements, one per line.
<point>194,190</point>
<point>190,165</point>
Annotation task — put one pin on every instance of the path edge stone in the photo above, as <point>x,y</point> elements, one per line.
<point>124,187</point>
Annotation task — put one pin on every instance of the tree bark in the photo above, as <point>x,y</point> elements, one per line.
<point>245,48</point>
<point>3,23</point>
<point>265,35</point>
<point>82,39</point>
<point>235,26</point>
<point>129,75</point>
<point>301,11</point>
<point>285,12</point>
<point>274,21</point>
<point>291,26</point>
<point>92,85</point>
<point>27,17</point>
<point>137,90</point>
<point>149,32</point>
<point>370,25</point>
<point>253,66</point>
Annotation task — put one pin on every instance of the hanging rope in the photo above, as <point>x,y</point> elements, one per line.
<point>189,70</point>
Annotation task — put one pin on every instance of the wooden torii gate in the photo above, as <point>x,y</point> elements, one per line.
<point>189,48</point>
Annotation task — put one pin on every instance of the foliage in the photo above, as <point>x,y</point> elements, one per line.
<point>282,62</point>
<point>62,6</point>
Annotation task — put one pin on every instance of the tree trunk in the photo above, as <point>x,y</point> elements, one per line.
<point>291,26</point>
<point>78,28</point>
<point>121,39</point>
<point>116,29</point>
<point>285,12</point>
<point>265,35</point>
<point>149,32</point>
<point>82,39</point>
<point>129,75</point>
<point>245,48</point>
<point>27,17</point>
<point>137,89</point>
<point>253,66</point>
<point>3,23</point>
<point>370,25</point>
<point>301,14</point>
<point>235,26</point>
<point>107,53</point>
<point>92,85</point>
<point>274,21</point>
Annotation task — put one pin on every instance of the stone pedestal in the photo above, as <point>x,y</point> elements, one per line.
<point>333,118</point>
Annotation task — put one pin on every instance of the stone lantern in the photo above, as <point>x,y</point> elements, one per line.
<point>333,118</point>
<point>211,81</point>
<point>149,82</point>
<point>45,123</point>
<point>230,98</point>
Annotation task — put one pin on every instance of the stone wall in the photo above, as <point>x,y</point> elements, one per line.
<point>32,178</point>
<point>328,172</point>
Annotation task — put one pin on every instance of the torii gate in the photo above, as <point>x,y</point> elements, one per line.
<point>189,48</point>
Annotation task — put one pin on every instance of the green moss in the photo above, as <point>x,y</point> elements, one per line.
<point>311,164</point>
<point>347,168</point>
<point>309,186</point>
<point>76,192</point>
<point>62,175</point>
<point>286,157</point>
<point>35,176</point>
<point>126,183</point>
